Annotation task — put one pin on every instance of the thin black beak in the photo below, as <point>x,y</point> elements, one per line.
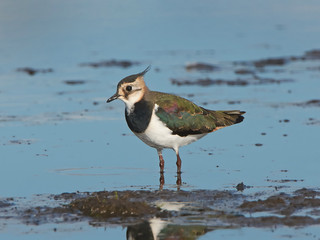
<point>114,97</point>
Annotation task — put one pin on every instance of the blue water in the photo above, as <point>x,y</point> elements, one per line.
<point>69,144</point>
<point>267,233</point>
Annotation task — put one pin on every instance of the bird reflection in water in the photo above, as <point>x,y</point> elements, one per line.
<point>162,181</point>
<point>156,229</point>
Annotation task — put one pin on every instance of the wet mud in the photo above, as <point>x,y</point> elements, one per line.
<point>178,213</point>
<point>287,205</point>
<point>104,205</point>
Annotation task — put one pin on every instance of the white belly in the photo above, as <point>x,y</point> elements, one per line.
<point>157,135</point>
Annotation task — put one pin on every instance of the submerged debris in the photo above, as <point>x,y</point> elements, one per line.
<point>270,62</point>
<point>280,61</point>
<point>201,67</point>
<point>285,180</point>
<point>207,82</point>
<point>237,82</point>
<point>110,63</point>
<point>312,121</point>
<point>244,71</point>
<point>74,82</point>
<point>312,54</point>
<point>33,71</point>
<point>310,103</point>
<point>45,214</point>
<point>20,141</point>
<point>241,187</point>
<point>5,203</point>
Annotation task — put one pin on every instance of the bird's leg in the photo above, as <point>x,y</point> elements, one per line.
<point>161,165</point>
<point>161,161</point>
<point>178,163</point>
<point>179,181</point>
<point>161,181</point>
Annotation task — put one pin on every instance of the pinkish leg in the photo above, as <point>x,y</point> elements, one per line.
<point>161,180</point>
<point>179,181</point>
<point>178,163</point>
<point>161,161</point>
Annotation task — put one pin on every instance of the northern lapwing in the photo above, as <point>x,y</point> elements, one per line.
<point>163,120</point>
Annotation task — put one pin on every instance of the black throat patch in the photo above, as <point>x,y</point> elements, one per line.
<point>138,120</point>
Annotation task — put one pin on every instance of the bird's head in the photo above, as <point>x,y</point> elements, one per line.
<point>131,89</point>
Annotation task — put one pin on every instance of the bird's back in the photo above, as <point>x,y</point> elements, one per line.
<point>184,117</point>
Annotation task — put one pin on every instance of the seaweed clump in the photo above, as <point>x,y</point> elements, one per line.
<point>111,205</point>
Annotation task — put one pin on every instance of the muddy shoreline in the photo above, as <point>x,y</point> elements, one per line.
<point>195,212</point>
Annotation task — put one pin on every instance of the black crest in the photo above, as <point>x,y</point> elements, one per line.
<point>133,77</point>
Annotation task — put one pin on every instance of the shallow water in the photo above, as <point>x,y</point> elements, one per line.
<point>58,134</point>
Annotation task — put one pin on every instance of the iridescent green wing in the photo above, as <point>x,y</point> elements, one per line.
<point>182,116</point>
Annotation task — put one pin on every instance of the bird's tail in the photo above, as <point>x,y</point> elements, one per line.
<point>227,118</point>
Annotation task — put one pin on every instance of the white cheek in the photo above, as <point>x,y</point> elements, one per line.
<point>131,100</point>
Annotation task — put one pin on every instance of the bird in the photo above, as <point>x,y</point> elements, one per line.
<point>163,120</point>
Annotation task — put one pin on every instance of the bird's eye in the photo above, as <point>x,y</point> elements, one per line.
<point>128,88</point>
